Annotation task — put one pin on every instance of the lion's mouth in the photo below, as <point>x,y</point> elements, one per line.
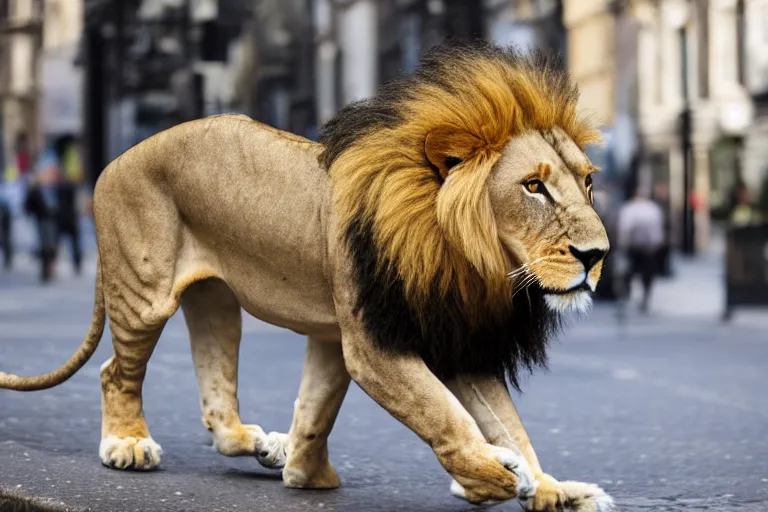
<point>582,287</point>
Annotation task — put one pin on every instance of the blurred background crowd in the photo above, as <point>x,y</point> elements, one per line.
<point>679,88</point>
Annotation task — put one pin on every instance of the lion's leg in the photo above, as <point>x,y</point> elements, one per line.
<point>324,384</point>
<point>408,390</point>
<point>125,439</point>
<point>214,320</point>
<point>488,401</point>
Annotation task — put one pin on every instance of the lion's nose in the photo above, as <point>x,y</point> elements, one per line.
<point>588,258</point>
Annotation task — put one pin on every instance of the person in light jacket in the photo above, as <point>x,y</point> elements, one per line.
<point>640,237</point>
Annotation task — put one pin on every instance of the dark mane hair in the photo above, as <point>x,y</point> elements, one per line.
<point>440,332</point>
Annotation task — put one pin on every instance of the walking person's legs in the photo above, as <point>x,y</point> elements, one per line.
<point>41,248</point>
<point>77,255</point>
<point>48,245</point>
<point>647,274</point>
<point>634,265</point>
<point>6,236</point>
<point>622,280</point>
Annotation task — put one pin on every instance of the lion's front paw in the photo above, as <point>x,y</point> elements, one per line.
<point>552,496</point>
<point>515,463</point>
<point>273,451</point>
<point>129,453</point>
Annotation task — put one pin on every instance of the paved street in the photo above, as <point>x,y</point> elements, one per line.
<point>668,412</point>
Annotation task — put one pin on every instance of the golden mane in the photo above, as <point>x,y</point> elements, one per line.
<point>434,229</point>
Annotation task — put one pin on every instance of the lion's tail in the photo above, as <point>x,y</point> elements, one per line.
<point>78,359</point>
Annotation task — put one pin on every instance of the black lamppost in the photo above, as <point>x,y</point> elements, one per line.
<point>688,239</point>
<point>688,245</point>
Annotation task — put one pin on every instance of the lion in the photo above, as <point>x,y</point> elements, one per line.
<point>428,246</point>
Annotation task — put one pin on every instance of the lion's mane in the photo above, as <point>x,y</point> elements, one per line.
<point>430,269</point>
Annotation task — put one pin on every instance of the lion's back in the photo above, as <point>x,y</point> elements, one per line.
<point>251,198</point>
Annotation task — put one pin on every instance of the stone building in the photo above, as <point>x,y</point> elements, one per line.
<point>755,157</point>
<point>668,80</point>
<point>20,40</point>
<point>691,54</point>
<point>601,55</point>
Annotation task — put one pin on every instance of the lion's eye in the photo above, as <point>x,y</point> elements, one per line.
<point>534,186</point>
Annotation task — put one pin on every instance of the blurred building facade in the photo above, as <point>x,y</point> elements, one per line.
<point>693,61</point>
<point>273,68</point>
<point>360,44</point>
<point>20,42</point>
<point>602,59</point>
<point>150,64</point>
<point>666,79</point>
<point>756,80</point>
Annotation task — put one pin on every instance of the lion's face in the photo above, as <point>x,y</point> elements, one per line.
<point>541,195</point>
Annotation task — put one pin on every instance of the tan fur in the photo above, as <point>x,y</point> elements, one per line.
<point>224,213</point>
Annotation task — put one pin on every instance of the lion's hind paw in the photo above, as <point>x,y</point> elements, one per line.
<point>568,497</point>
<point>584,497</point>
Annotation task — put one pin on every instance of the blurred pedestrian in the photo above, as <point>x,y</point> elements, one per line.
<point>640,236</point>
<point>6,235</point>
<point>41,203</point>
<point>743,212</point>
<point>67,214</point>
<point>23,155</point>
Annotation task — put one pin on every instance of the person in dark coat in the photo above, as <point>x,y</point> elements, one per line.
<point>68,220</point>
<point>67,215</point>
<point>6,236</point>
<point>40,203</point>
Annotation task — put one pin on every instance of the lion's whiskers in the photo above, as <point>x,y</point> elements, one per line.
<point>525,267</point>
<point>527,281</point>
<point>525,278</point>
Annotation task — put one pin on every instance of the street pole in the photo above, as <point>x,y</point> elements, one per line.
<point>688,241</point>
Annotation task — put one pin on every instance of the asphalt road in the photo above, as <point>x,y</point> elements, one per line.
<point>664,414</point>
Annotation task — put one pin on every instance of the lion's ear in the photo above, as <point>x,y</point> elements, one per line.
<point>447,147</point>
